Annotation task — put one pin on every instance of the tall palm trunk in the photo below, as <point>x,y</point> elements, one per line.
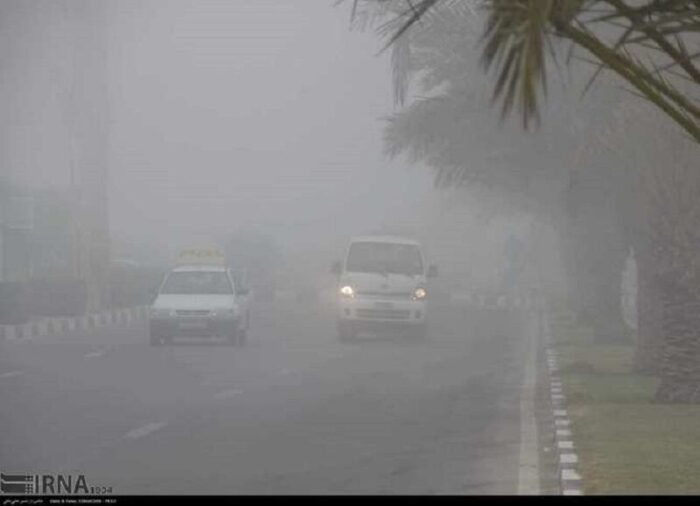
<point>680,358</point>
<point>649,316</point>
<point>675,237</point>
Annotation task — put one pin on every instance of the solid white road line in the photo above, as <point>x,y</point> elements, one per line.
<point>145,430</point>
<point>528,465</point>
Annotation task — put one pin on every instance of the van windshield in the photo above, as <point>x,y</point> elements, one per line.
<point>381,257</point>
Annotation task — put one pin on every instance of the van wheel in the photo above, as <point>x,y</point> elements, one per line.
<point>346,332</point>
<point>420,333</point>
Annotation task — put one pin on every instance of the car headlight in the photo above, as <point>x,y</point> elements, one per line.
<point>224,311</point>
<point>347,291</point>
<point>420,293</point>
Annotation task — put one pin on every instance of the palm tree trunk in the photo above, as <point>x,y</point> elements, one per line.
<point>680,358</point>
<point>650,312</point>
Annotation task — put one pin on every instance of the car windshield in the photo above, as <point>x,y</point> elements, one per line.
<point>386,258</point>
<point>197,283</point>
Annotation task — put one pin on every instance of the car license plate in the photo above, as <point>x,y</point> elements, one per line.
<point>193,325</point>
<point>384,305</point>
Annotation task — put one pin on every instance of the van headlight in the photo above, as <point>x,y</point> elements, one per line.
<point>420,293</point>
<point>347,291</point>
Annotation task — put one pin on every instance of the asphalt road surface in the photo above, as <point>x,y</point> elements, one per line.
<point>293,412</point>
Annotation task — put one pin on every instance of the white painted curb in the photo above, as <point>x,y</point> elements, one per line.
<point>64,325</point>
<point>569,479</point>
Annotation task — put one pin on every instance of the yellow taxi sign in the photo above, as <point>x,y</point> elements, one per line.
<point>202,256</point>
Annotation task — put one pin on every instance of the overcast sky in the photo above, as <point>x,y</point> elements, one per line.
<point>265,113</point>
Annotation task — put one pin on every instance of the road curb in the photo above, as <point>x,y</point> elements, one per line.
<point>63,325</point>
<point>481,301</point>
<point>570,479</point>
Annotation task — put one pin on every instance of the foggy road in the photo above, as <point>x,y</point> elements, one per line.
<point>295,411</point>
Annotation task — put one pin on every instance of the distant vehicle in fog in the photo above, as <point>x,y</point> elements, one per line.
<point>200,299</point>
<point>382,285</point>
<point>257,255</point>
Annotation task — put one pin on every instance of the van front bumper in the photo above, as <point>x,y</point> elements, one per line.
<point>379,313</point>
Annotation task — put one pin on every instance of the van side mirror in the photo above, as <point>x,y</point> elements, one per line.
<point>433,271</point>
<point>337,268</point>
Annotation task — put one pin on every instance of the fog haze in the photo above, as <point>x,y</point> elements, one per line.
<point>250,114</point>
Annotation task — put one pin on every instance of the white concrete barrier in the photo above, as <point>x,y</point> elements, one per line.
<point>64,325</point>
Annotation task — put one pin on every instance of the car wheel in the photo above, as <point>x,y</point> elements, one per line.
<point>242,336</point>
<point>234,336</point>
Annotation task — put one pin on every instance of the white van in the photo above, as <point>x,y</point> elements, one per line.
<point>382,285</point>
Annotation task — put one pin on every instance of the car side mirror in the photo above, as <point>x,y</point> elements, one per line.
<point>433,271</point>
<point>337,268</point>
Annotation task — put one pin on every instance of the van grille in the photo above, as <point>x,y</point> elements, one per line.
<point>192,312</point>
<point>383,314</point>
<point>385,295</point>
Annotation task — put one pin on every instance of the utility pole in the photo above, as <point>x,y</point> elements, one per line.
<point>88,122</point>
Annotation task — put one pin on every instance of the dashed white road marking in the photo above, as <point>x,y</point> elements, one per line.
<point>11,374</point>
<point>284,372</point>
<point>145,430</point>
<point>94,354</point>
<point>228,393</point>
<point>565,445</point>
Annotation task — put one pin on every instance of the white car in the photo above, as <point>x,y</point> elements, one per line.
<point>200,301</point>
<point>382,285</point>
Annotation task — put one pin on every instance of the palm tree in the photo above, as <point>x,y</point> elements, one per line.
<point>653,47</point>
